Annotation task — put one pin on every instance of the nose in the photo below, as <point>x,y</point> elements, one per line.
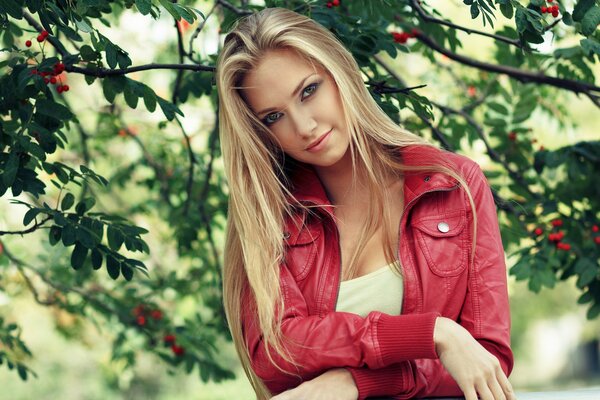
<point>305,123</point>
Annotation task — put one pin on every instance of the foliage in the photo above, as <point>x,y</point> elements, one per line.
<point>547,198</point>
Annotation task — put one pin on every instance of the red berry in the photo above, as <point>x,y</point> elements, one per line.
<point>329,5</point>
<point>414,32</point>
<point>59,89</point>
<point>538,231</point>
<point>169,339</point>
<point>53,80</point>
<point>44,33</point>
<point>595,228</point>
<point>471,91</point>
<point>28,43</point>
<point>156,314</point>
<point>550,1</point>
<point>560,235</point>
<point>178,350</point>
<point>336,2</point>
<point>65,88</point>
<point>46,81</point>
<point>512,136</point>
<point>544,9</point>
<point>597,239</point>
<point>555,13</point>
<point>40,38</point>
<point>141,320</point>
<point>564,246</point>
<point>557,222</point>
<point>137,310</point>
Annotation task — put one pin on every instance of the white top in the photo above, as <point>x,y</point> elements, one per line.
<point>380,290</point>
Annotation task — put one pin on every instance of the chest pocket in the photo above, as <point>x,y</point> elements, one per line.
<point>301,249</point>
<point>443,241</point>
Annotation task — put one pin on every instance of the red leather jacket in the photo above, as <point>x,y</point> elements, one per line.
<point>393,355</point>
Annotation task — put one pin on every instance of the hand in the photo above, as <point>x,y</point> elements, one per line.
<point>335,384</point>
<point>475,370</point>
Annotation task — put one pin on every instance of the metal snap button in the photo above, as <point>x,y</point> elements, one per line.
<point>427,178</point>
<point>286,235</point>
<point>443,227</point>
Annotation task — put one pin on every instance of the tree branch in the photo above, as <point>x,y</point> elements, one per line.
<point>520,75</point>
<point>428,18</point>
<point>33,228</point>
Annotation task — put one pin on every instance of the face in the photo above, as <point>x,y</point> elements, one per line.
<point>300,104</point>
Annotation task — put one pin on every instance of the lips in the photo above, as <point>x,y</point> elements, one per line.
<point>316,142</point>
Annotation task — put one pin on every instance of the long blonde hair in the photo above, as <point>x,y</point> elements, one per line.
<point>257,170</point>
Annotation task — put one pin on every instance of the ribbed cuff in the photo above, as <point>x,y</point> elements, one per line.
<point>406,337</point>
<point>388,381</point>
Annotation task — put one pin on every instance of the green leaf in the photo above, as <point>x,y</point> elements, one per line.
<point>87,53</point>
<point>111,55</point>
<point>54,235</point>
<point>144,6</point>
<point>169,7</point>
<point>96,258</point>
<point>85,205</point>
<point>115,238</point>
<point>474,10</point>
<point>22,372</point>
<point>521,20</point>
<point>78,256</point>
<point>10,169</point>
<point>590,46</point>
<point>168,108</point>
<point>126,271</point>
<point>68,235</point>
<point>30,215</point>
<point>185,14</point>
<point>594,311</point>
<point>507,10</point>
<point>12,8</point>
<point>581,8</point>
<point>499,108</point>
<point>67,202</point>
<point>131,97</point>
<point>590,21</point>
<point>149,99</point>
<point>112,266</point>
<point>53,109</point>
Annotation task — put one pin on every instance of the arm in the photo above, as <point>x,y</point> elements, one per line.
<point>337,339</point>
<point>485,315</point>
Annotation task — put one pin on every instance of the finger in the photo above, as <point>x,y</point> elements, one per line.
<point>484,392</point>
<point>496,389</point>
<point>506,386</point>
<point>470,394</point>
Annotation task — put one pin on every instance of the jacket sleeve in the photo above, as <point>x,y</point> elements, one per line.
<point>336,339</point>
<point>485,314</point>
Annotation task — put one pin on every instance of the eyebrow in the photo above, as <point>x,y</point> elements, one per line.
<point>266,110</point>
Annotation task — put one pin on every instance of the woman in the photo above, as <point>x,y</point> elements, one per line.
<point>359,259</point>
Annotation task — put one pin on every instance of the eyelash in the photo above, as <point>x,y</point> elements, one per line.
<point>315,85</point>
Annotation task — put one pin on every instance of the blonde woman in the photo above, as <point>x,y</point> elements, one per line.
<point>360,260</point>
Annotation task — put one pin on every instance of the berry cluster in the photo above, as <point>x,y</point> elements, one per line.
<point>333,3</point>
<point>595,229</point>
<point>169,340</point>
<point>555,237</point>
<point>52,76</point>
<point>402,37</point>
<point>142,313</point>
<point>40,38</point>
<point>550,9</point>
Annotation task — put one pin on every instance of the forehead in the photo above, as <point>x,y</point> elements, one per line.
<point>274,79</point>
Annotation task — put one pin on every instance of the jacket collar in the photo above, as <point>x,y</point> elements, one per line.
<point>307,186</point>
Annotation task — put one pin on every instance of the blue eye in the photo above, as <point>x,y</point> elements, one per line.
<point>312,86</point>
<point>267,120</point>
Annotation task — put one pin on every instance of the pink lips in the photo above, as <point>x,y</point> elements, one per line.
<point>318,141</point>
